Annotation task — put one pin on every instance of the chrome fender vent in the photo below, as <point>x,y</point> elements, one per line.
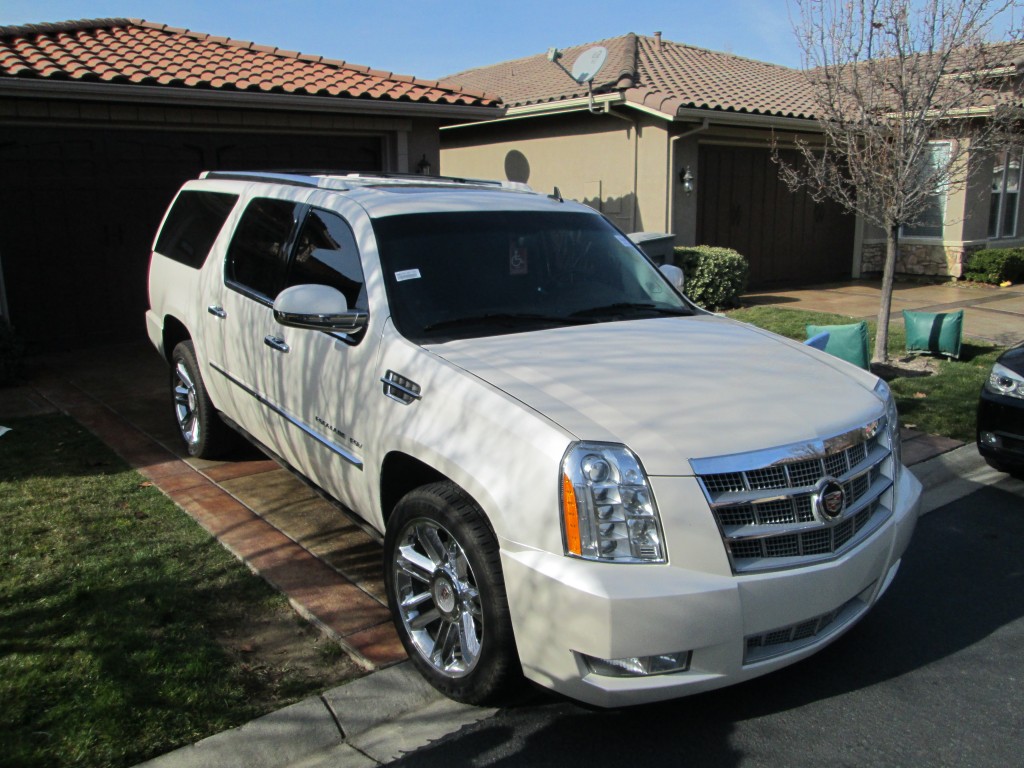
<point>397,387</point>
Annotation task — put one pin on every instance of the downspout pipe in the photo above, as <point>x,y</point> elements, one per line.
<point>670,177</point>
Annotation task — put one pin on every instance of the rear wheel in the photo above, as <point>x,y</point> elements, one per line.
<point>205,435</point>
<point>447,595</point>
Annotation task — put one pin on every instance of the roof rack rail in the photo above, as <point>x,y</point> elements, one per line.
<point>280,177</point>
<point>331,179</point>
<point>418,177</point>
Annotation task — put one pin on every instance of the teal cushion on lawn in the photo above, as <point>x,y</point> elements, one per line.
<point>847,342</point>
<point>936,332</point>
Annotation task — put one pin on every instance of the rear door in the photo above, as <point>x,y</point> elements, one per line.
<point>242,339</point>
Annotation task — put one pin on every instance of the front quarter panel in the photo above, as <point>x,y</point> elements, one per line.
<point>503,454</point>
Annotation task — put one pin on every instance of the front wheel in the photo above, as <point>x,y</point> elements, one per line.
<point>444,583</point>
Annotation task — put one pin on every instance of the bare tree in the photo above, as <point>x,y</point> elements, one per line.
<point>889,79</point>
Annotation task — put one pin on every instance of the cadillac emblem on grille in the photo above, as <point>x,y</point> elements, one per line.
<point>829,500</point>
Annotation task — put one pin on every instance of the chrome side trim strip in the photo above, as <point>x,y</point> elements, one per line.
<point>351,458</point>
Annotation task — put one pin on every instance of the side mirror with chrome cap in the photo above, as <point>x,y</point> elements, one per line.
<point>318,307</point>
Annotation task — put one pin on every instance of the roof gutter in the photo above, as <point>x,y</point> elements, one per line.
<point>551,108</point>
<point>746,119</point>
<point>150,94</point>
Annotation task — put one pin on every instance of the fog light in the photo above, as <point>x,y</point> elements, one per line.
<point>639,666</point>
<point>990,438</point>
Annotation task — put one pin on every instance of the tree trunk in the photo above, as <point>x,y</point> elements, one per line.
<point>892,246</point>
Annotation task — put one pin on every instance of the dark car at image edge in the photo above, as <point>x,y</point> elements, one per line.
<point>1001,413</point>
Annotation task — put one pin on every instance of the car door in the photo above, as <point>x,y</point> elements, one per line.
<point>242,340</point>
<point>321,378</point>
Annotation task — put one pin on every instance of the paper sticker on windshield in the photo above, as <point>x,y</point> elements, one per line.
<point>407,274</point>
<point>518,263</point>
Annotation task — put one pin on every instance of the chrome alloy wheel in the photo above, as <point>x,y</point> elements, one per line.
<point>186,404</point>
<point>438,598</point>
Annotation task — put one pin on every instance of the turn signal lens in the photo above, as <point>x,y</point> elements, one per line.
<point>570,517</point>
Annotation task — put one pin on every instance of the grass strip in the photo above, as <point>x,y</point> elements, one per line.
<point>114,608</point>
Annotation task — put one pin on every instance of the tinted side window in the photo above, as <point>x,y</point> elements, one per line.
<point>326,254</point>
<point>258,254</point>
<point>193,224</point>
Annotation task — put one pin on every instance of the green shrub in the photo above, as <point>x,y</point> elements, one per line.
<point>11,351</point>
<point>995,266</point>
<point>715,277</point>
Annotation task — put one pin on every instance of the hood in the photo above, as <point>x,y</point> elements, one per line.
<point>672,389</point>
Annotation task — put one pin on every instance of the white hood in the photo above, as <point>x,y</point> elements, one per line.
<point>672,389</point>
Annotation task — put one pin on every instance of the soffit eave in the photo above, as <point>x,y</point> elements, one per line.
<point>168,96</point>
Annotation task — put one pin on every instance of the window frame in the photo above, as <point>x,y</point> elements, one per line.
<point>190,220</point>
<point>999,198</point>
<point>300,214</point>
<point>941,193</point>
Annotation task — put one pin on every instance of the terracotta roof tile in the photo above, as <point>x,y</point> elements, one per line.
<point>659,74</point>
<point>136,51</point>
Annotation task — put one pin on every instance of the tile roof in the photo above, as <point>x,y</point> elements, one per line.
<point>134,51</point>
<point>655,73</point>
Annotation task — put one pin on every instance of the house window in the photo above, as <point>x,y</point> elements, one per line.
<point>931,219</point>
<point>1002,212</point>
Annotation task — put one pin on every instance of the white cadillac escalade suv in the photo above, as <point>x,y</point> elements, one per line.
<point>579,476</point>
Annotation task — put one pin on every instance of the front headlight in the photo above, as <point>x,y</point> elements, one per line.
<point>892,423</point>
<point>608,510</point>
<point>1003,381</point>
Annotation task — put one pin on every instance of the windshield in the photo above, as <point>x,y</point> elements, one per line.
<point>457,275</point>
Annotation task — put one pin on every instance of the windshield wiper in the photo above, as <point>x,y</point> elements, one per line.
<point>622,307</point>
<point>505,319</point>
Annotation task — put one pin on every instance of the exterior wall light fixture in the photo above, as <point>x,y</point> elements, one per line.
<point>687,180</point>
<point>423,166</point>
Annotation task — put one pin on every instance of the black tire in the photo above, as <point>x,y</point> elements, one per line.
<point>205,435</point>
<point>444,583</point>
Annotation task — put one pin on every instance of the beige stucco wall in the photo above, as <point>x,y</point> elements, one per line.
<point>965,229</point>
<point>615,164</point>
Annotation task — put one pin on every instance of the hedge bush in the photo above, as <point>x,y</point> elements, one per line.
<point>715,277</point>
<point>995,266</point>
<point>11,351</point>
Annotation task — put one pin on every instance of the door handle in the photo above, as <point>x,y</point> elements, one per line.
<point>276,343</point>
<point>216,311</point>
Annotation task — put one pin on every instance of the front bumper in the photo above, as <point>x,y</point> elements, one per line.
<point>564,608</point>
<point>1001,417</point>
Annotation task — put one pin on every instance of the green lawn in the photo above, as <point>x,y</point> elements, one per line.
<point>116,611</point>
<point>943,402</point>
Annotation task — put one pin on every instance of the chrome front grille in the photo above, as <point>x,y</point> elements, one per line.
<point>771,505</point>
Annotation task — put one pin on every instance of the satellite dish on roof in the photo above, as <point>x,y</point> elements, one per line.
<point>589,63</point>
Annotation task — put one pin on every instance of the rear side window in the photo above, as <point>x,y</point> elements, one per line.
<point>258,254</point>
<point>326,254</point>
<point>192,226</point>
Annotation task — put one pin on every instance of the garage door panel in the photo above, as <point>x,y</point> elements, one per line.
<point>787,237</point>
<point>80,207</point>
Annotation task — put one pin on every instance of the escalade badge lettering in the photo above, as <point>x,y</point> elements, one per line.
<point>830,500</point>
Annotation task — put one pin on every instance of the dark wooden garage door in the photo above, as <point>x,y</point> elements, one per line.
<point>79,209</point>
<point>787,237</point>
